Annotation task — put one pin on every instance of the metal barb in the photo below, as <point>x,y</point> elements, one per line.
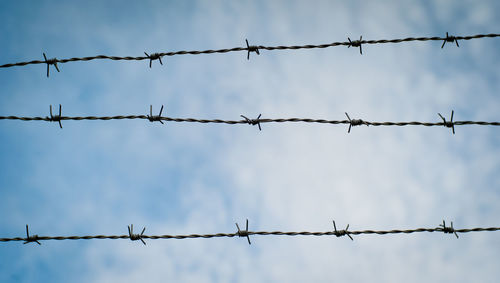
<point>448,124</point>
<point>32,238</point>
<point>152,118</point>
<point>340,233</point>
<point>353,122</point>
<point>350,122</point>
<point>135,237</point>
<point>448,230</point>
<point>243,233</point>
<point>260,47</point>
<point>56,118</point>
<point>251,48</point>
<point>246,233</point>
<point>253,122</point>
<point>450,39</point>
<point>356,43</point>
<point>154,56</point>
<point>49,62</point>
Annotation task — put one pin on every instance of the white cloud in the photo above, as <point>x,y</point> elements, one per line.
<point>188,178</point>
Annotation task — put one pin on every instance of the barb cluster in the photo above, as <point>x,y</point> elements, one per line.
<point>356,43</point>
<point>30,239</point>
<point>152,118</point>
<point>253,122</point>
<point>243,233</point>
<point>250,48</point>
<point>448,230</point>
<point>135,237</point>
<point>154,56</point>
<point>258,121</point>
<point>451,39</point>
<point>340,233</point>
<point>247,233</point>
<point>448,124</point>
<point>56,118</point>
<point>49,62</point>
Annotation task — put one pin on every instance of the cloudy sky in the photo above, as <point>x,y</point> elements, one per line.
<point>98,177</point>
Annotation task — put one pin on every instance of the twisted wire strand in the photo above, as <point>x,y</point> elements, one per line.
<point>260,233</point>
<point>263,120</point>
<point>253,48</point>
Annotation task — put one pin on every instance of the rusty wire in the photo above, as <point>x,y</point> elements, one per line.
<point>249,48</point>
<point>258,121</point>
<point>247,233</point>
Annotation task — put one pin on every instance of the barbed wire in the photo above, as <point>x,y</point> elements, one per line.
<point>249,49</point>
<point>258,121</point>
<point>247,233</point>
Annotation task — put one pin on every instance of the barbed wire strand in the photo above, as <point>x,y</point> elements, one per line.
<point>249,48</point>
<point>258,121</point>
<point>247,233</point>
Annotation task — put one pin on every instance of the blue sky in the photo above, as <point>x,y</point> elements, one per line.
<point>98,177</point>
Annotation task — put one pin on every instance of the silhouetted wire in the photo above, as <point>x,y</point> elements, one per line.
<point>247,233</point>
<point>258,121</point>
<point>248,49</point>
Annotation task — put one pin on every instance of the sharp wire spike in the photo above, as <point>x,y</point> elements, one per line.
<point>243,233</point>
<point>251,48</point>
<point>147,55</point>
<point>57,118</point>
<point>253,122</point>
<point>152,118</point>
<point>45,57</point>
<point>450,39</point>
<point>354,122</point>
<point>49,62</point>
<point>350,121</point>
<point>340,233</point>
<point>360,48</point>
<point>161,110</point>
<point>153,56</point>
<point>448,230</point>
<point>29,238</point>
<point>60,125</point>
<point>356,43</point>
<point>448,124</point>
<point>135,237</point>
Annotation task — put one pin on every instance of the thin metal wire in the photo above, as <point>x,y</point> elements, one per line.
<point>250,48</point>
<point>258,121</point>
<point>246,234</point>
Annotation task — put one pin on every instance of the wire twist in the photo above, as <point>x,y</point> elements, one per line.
<point>253,122</point>
<point>152,118</point>
<point>56,118</point>
<point>135,237</point>
<point>340,233</point>
<point>356,43</point>
<point>246,233</point>
<point>250,48</point>
<point>449,39</point>
<point>243,233</point>
<point>448,124</point>
<point>258,121</point>
<point>30,239</point>
<point>447,230</point>
<point>154,56</point>
<point>354,122</point>
<point>49,62</point>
